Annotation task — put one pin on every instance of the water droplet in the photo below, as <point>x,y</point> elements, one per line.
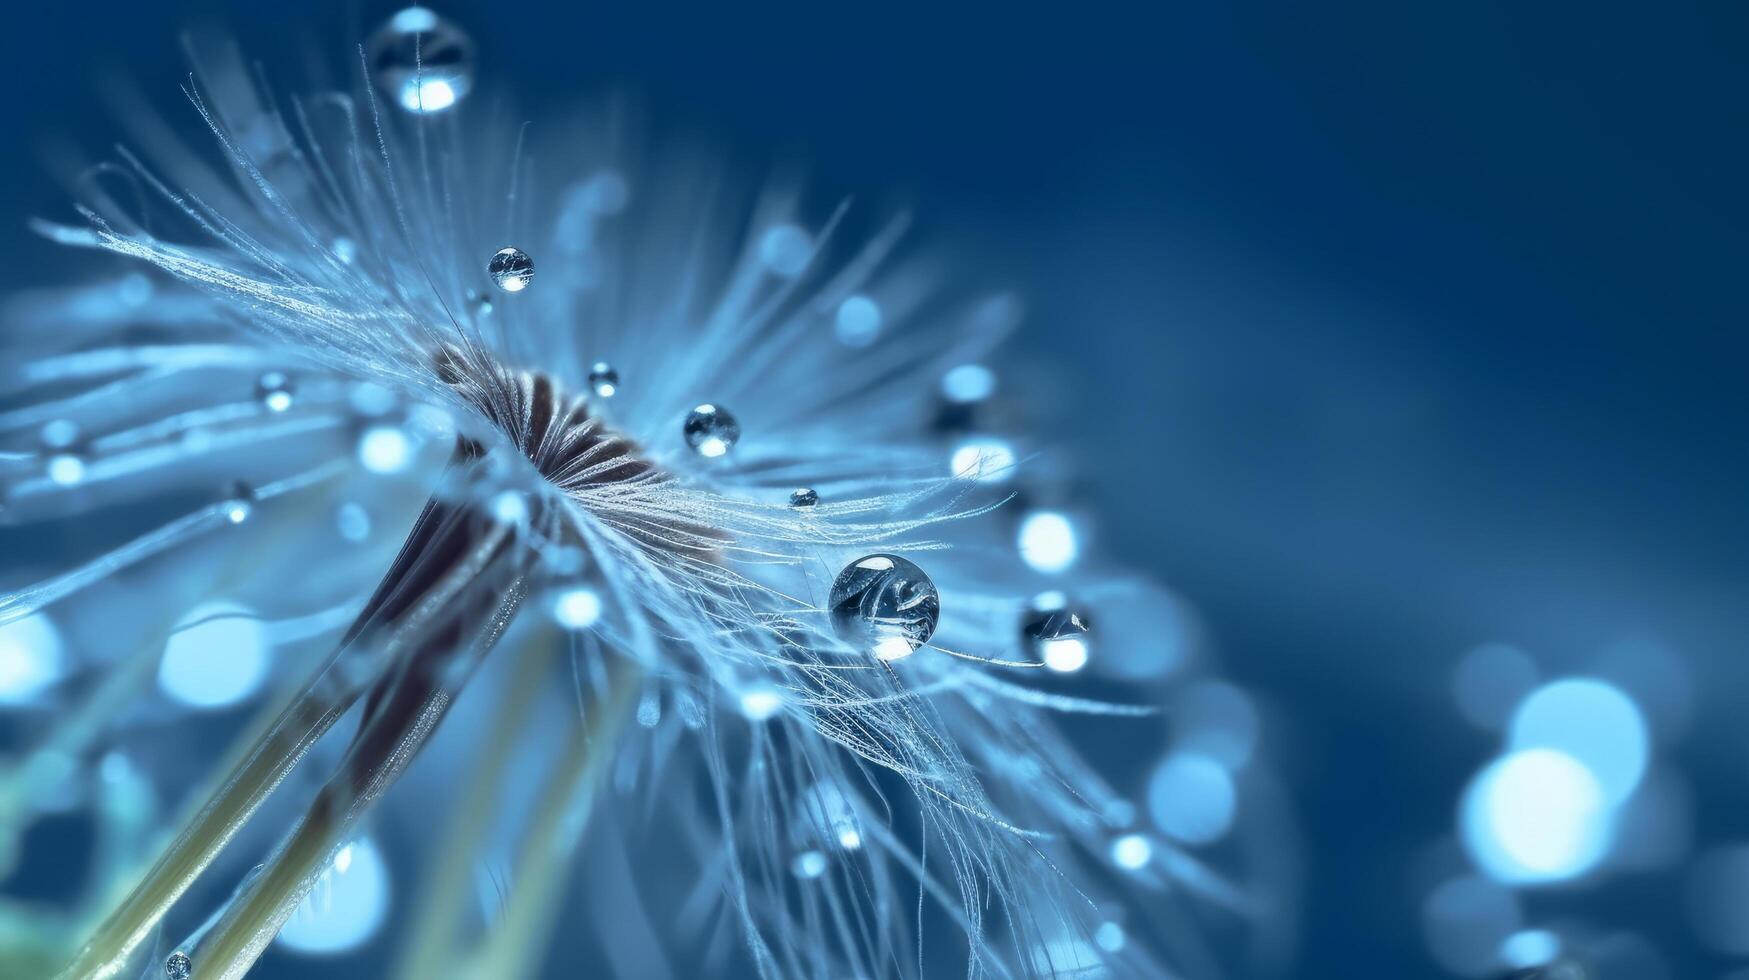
<point>786,250</point>
<point>1110,937</point>
<point>968,383</point>
<point>275,390</point>
<point>481,303</point>
<point>345,249</point>
<point>385,449</point>
<point>809,864</point>
<point>1132,852</point>
<point>239,502</point>
<point>66,469</point>
<point>1047,541</point>
<point>804,498</point>
<point>885,605</point>
<point>603,379</point>
<point>423,62</point>
<point>711,431</point>
<point>59,433</point>
<point>1056,633</point>
<point>577,609</point>
<point>511,269</point>
<point>353,521</point>
<point>177,966</point>
<point>858,321</point>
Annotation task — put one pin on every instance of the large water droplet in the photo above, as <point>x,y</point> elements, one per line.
<point>275,390</point>
<point>177,966</point>
<point>603,379</point>
<point>423,62</point>
<point>711,430</point>
<point>511,269</point>
<point>885,605</point>
<point>1056,633</point>
<point>804,498</point>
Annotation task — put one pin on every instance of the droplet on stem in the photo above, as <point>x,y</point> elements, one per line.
<point>711,431</point>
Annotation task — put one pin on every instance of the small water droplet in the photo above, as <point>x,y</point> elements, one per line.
<point>177,966</point>
<point>66,469</point>
<point>423,62</point>
<point>1056,633</point>
<point>858,321</point>
<point>786,250</point>
<point>885,605</point>
<point>804,498</point>
<point>353,521</point>
<point>603,379</point>
<point>511,269</point>
<point>968,383</point>
<point>275,390</point>
<point>59,433</point>
<point>345,249</point>
<point>711,431</point>
<point>481,303</point>
<point>809,864</point>
<point>239,502</point>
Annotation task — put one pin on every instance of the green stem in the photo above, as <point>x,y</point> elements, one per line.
<point>555,833</point>
<point>430,947</point>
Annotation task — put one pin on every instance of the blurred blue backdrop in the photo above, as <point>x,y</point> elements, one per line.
<point>1388,330</point>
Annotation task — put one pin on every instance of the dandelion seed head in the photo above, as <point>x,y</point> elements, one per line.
<point>897,733</point>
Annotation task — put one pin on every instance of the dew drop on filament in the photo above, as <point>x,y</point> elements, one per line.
<point>511,269</point>
<point>238,503</point>
<point>275,391</point>
<point>885,605</point>
<point>423,62</point>
<point>711,430</point>
<point>804,498</point>
<point>1056,633</point>
<point>603,379</point>
<point>177,966</point>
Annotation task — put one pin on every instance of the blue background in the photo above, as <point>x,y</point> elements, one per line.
<point>1391,328</point>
